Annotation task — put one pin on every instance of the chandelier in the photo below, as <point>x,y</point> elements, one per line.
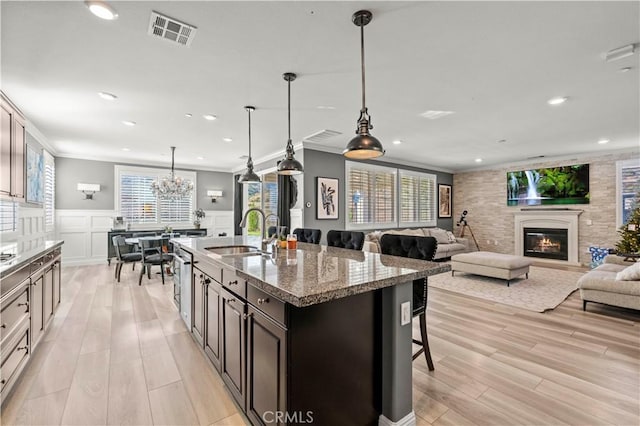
<point>172,187</point>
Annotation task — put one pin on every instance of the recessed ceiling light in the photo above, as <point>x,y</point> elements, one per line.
<point>107,96</point>
<point>129,123</point>
<point>502,141</point>
<point>625,69</point>
<point>102,10</point>
<point>619,53</point>
<point>126,149</point>
<point>227,139</point>
<point>200,158</point>
<point>557,101</point>
<point>603,141</point>
<point>434,115</point>
<point>209,117</point>
<point>397,142</point>
<point>325,107</point>
<point>478,160</point>
<point>188,115</point>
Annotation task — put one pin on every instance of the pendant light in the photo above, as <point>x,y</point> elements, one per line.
<point>249,176</point>
<point>172,187</point>
<point>289,166</point>
<point>363,146</point>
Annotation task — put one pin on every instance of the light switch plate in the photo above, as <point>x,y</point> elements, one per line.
<point>405,316</point>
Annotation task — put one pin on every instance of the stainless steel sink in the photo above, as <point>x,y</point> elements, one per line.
<point>234,250</point>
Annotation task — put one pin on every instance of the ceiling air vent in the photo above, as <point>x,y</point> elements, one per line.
<point>171,29</point>
<point>321,136</point>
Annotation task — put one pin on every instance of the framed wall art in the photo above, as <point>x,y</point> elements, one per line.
<point>326,198</point>
<point>444,201</point>
<point>35,176</point>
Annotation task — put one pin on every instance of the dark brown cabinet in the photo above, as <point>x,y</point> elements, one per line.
<point>12,151</point>
<point>266,368</point>
<point>212,318</point>
<point>232,318</point>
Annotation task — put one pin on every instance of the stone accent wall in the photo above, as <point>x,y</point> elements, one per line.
<point>484,195</point>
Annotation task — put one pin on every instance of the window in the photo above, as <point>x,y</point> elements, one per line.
<point>417,199</point>
<point>628,187</point>
<point>8,215</point>
<point>263,195</point>
<point>137,204</point>
<point>49,191</point>
<point>370,196</point>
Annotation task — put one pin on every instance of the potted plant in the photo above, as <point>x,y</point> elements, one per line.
<point>198,214</point>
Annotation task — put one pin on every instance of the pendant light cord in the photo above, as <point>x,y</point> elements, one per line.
<point>362,64</point>
<point>249,112</point>
<point>173,153</point>
<point>289,107</point>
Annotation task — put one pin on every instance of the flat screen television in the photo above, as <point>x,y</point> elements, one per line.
<point>549,186</point>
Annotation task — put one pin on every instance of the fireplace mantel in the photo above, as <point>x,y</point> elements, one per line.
<point>548,218</point>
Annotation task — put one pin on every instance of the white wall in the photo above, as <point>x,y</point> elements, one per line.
<point>85,232</point>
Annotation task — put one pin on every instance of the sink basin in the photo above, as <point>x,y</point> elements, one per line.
<point>233,250</point>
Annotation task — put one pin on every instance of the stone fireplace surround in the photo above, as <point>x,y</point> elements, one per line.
<point>548,218</point>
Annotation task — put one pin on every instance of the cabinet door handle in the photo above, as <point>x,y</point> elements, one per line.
<point>24,304</point>
<point>247,316</point>
<point>3,326</point>
<point>22,348</point>
<point>3,381</point>
<point>231,300</point>
<point>207,281</point>
<point>233,282</point>
<point>262,301</point>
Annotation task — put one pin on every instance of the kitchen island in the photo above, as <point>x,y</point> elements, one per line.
<point>312,335</point>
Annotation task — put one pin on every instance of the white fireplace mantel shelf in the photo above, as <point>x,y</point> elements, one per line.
<point>549,218</point>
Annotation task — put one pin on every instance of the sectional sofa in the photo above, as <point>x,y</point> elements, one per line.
<point>448,243</point>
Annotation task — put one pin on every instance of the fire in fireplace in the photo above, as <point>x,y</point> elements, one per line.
<point>547,243</point>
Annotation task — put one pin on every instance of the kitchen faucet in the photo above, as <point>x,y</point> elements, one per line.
<point>265,240</point>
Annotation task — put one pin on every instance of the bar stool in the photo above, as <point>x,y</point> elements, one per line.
<point>353,240</point>
<point>308,235</point>
<point>414,247</point>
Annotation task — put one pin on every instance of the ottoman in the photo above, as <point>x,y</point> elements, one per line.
<point>495,265</point>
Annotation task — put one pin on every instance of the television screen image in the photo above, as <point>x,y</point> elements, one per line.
<point>549,186</point>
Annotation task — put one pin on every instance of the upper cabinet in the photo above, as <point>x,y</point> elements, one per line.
<point>12,151</point>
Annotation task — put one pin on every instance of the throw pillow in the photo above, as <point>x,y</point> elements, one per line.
<point>630,273</point>
<point>452,238</point>
<point>440,235</point>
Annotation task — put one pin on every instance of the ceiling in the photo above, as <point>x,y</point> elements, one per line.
<point>495,64</point>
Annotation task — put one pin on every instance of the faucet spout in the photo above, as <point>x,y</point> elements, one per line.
<point>243,224</point>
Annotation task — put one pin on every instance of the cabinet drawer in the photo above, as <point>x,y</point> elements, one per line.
<point>10,282</point>
<point>209,268</point>
<point>234,283</point>
<point>14,356</point>
<point>14,308</point>
<point>269,305</point>
<point>37,264</point>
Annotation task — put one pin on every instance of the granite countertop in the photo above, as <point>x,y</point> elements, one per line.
<point>313,273</point>
<point>23,256</point>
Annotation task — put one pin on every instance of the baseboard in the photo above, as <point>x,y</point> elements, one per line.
<point>83,262</point>
<point>408,420</point>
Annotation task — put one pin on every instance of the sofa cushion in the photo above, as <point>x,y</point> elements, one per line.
<point>452,237</point>
<point>609,267</point>
<point>630,273</point>
<point>606,281</point>
<point>440,235</point>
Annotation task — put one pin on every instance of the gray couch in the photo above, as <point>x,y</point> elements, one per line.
<point>448,244</point>
<point>600,285</point>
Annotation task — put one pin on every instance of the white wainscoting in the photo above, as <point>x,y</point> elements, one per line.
<point>85,232</point>
<point>30,232</point>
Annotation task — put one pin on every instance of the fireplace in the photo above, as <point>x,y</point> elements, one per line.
<point>546,243</point>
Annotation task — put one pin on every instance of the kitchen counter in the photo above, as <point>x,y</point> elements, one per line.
<point>313,273</point>
<point>23,257</point>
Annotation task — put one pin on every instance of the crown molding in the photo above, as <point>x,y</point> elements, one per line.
<point>156,164</point>
<point>42,140</point>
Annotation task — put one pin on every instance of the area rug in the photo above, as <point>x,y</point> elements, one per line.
<point>544,290</point>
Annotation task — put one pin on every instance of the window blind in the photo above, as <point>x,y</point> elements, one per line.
<point>417,199</point>
<point>270,193</point>
<point>8,216</point>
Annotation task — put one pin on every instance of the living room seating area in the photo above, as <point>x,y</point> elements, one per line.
<point>448,243</point>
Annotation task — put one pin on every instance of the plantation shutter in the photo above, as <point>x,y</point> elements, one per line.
<point>417,199</point>
<point>8,216</point>
<point>371,196</point>
<point>49,191</point>
<point>137,202</point>
<point>270,193</point>
<point>173,211</point>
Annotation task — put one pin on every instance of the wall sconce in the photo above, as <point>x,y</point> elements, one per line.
<point>214,194</point>
<point>88,189</point>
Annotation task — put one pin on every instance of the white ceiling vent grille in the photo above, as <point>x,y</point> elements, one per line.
<point>321,136</point>
<point>171,29</point>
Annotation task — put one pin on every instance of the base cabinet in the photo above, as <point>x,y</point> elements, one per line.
<point>37,307</point>
<point>232,317</point>
<point>197,317</point>
<point>266,369</point>
<point>213,301</point>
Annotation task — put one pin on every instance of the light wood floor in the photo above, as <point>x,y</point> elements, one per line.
<point>119,354</point>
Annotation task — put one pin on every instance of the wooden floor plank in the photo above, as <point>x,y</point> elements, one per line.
<point>128,395</point>
<point>170,405</point>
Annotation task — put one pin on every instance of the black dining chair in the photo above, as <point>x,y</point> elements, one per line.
<point>272,231</point>
<point>196,233</point>
<point>308,235</point>
<point>154,252</point>
<point>415,247</point>
<point>353,240</point>
<point>124,254</point>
